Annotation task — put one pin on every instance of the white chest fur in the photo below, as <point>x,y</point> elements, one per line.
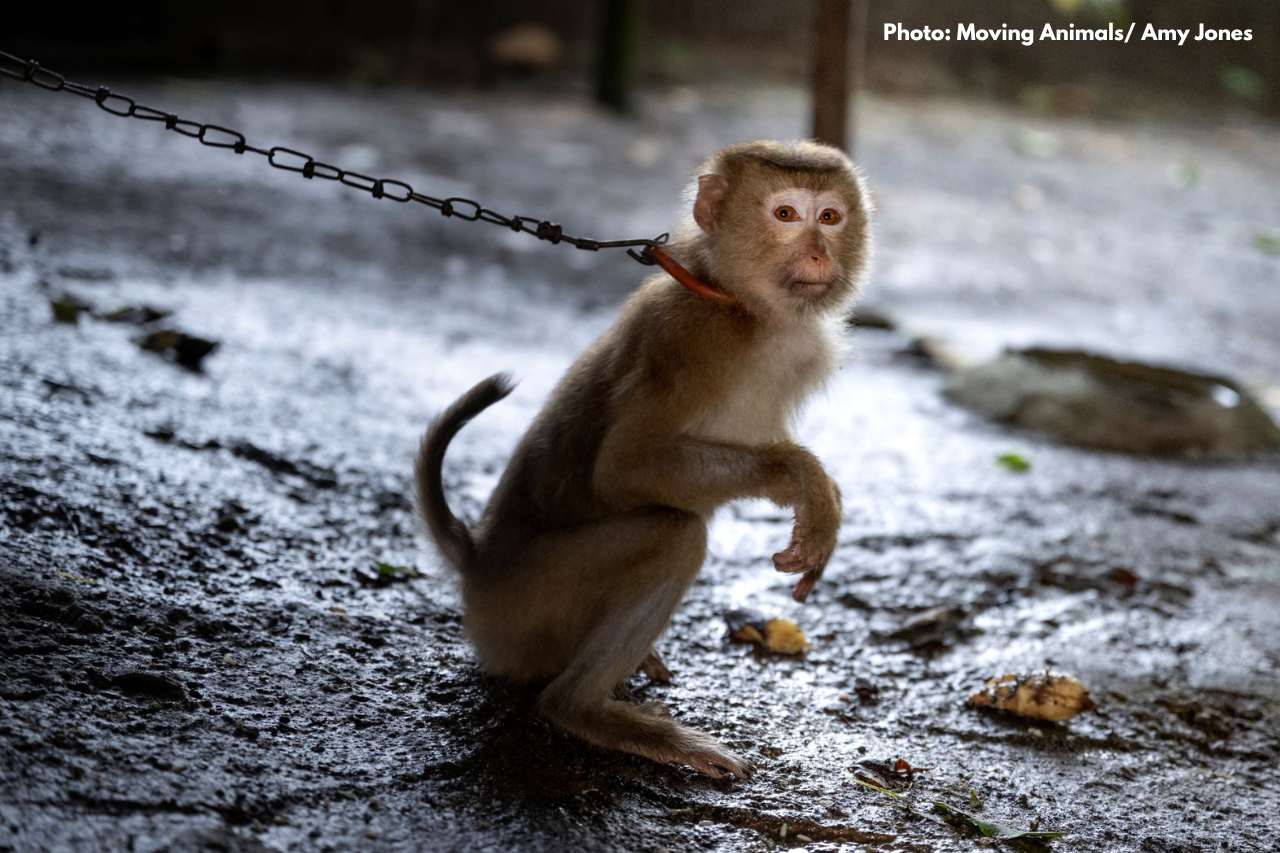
<point>767,390</point>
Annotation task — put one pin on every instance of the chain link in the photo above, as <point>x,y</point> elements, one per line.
<point>289,160</point>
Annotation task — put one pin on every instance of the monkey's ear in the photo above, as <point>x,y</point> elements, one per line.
<point>706,207</point>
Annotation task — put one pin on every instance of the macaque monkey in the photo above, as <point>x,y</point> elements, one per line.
<point>599,524</point>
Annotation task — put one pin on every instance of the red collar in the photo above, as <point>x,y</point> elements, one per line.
<point>689,280</point>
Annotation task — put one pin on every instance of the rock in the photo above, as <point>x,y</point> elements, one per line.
<point>150,685</point>
<point>932,352</point>
<point>1043,696</point>
<point>1093,401</point>
<point>866,317</point>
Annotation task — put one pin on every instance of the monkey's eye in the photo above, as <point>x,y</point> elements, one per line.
<point>830,216</point>
<point>785,213</point>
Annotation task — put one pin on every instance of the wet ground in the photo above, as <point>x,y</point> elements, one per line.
<point>199,649</point>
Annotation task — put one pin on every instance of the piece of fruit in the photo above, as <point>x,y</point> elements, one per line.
<point>779,635</point>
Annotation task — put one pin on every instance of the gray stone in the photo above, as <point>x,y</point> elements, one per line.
<point>1094,401</point>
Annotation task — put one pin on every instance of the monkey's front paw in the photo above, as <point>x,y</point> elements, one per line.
<point>808,551</point>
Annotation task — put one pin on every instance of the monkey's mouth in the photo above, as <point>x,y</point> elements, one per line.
<point>806,287</point>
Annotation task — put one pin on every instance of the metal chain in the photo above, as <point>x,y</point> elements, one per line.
<point>214,136</point>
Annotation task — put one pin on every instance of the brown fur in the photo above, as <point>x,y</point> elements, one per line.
<point>598,525</point>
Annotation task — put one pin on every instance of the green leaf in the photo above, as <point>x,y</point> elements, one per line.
<point>879,789</point>
<point>991,829</point>
<point>1014,462</point>
<point>1267,242</point>
<point>388,570</point>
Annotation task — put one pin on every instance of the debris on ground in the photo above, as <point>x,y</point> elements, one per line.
<point>990,828</point>
<point>1267,242</point>
<point>136,315</point>
<point>945,813</point>
<point>67,308</point>
<point>935,627</point>
<point>1014,462</point>
<point>866,317</point>
<point>1050,696</point>
<point>931,352</point>
<point>186,350</point>
<point>1094,401</point>
<point>778,634</point>
<point>385,574</point>
<point>896,774</point>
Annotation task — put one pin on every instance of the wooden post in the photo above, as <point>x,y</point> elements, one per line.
<point>831,72</point>
<point>616,49</point>
<point>857,68</point>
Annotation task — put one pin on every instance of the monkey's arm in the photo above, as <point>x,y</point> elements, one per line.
<point>643,464</point>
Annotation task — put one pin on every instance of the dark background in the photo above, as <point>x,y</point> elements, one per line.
<point>434,43</point>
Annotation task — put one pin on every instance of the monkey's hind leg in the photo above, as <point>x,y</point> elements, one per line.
<point>637,598</point>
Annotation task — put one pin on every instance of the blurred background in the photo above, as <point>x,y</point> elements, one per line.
<point>438,44</point>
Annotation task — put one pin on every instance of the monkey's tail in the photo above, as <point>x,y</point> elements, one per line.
<point>451,536</point>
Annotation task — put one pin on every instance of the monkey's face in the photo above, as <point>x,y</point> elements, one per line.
<point>787,242</point>
<point>804,226</point>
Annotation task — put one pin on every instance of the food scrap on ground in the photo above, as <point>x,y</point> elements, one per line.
<point>1050,696</point>
<point>778,634</point>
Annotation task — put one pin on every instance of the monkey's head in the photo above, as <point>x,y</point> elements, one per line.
<point>784,227</point>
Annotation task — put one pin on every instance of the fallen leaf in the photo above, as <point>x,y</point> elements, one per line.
<point>990,828</point>
<point>67,308</point>
<point>1267,242</point>
<point>385,574</point>
<point>1014,462</point>
<point>189,351</point>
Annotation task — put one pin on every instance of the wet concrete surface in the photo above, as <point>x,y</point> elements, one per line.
<point>200,652</point>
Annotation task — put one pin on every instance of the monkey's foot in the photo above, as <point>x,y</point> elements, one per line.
<point>653,667</point>
<point>656,709</point>
<point>711,758</point>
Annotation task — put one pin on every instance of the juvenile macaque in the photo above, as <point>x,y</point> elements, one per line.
<point>599,523</point>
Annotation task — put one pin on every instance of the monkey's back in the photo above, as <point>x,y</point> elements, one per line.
<point>548,484</point>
